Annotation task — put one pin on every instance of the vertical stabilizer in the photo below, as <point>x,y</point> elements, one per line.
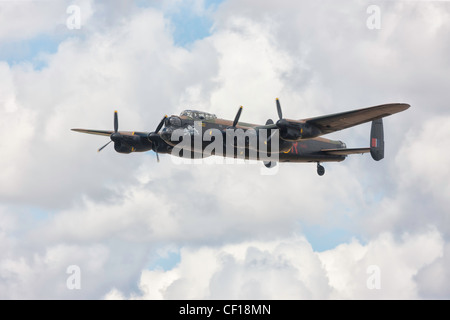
<point>377,140</point>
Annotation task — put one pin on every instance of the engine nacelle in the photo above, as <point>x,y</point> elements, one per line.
<point>123,147</point>
<point>294,131</point>
<point>130,143</point>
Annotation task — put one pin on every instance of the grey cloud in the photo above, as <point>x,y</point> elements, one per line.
<point>317,59</point>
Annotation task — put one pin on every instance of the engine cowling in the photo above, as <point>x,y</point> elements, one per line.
<point>130,143</point>
<point>122,147</point>
<point>294,131</point>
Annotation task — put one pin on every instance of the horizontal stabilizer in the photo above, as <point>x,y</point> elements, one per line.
<point>346,152</point>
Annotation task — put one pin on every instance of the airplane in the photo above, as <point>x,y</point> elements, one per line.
<point>289,140</point>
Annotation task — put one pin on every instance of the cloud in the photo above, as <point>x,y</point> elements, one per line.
<point>419,197</point>
<point>398,260</point>
<point>20,23</point>
<point>116,216</point>
<point>432,280</point>
<point>290,269</point>
<point>246,270</point>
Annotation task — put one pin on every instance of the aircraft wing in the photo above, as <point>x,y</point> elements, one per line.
<point>108,133</point>
<point>344,120</point>
<point>97,132</point>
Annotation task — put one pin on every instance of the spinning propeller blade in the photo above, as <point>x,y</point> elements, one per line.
<point>160,124</point>
<point>152,137</point>
<point>280,114</point>
<point>238,115</point>
<point>116,129</point>
<point>116,121</point>
<point>104,146</point>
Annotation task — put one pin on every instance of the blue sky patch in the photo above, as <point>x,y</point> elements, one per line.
<point>29,50</point>
<point>327,238</point>
<point>166,262</point>
<point>190,25</point>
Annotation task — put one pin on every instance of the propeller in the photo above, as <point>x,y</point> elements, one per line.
<point>160,124</point>
<point>238,115</point>
<point>294,130</point>
<point>282,124</point>
<point>104,146</point>
<point>280,114</point>
<point>115,136</point>
<point>153,137</point>
<point>279,122</point>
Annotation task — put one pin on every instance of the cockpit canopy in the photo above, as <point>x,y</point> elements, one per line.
<point>198,115</point>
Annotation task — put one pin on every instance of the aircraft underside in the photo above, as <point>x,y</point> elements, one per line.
<point>196,135</point>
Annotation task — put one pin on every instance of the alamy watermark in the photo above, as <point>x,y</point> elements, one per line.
<point>230,146</point>
<point>374,280</point>
<point>373,21</point>
<point>73,22</point>
<point>73,281</point>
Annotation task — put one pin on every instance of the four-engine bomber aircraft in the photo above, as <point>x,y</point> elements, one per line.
<point>288,140</point>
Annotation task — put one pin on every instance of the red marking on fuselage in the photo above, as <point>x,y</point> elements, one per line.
<point>294,148</point>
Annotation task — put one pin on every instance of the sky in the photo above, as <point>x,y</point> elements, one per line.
<point>77,224</point>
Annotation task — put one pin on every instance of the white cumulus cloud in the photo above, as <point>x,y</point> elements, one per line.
<point>290,269</point>
<point>238,234</point>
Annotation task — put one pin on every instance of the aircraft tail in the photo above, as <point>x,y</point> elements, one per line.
<point>377,140</point>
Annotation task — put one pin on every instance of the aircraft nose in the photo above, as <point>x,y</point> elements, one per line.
<point>166,133</point>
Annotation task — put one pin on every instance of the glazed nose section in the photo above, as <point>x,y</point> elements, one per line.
<point>166,133</point>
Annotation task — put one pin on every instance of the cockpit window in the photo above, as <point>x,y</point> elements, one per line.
<point>198,115</point>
